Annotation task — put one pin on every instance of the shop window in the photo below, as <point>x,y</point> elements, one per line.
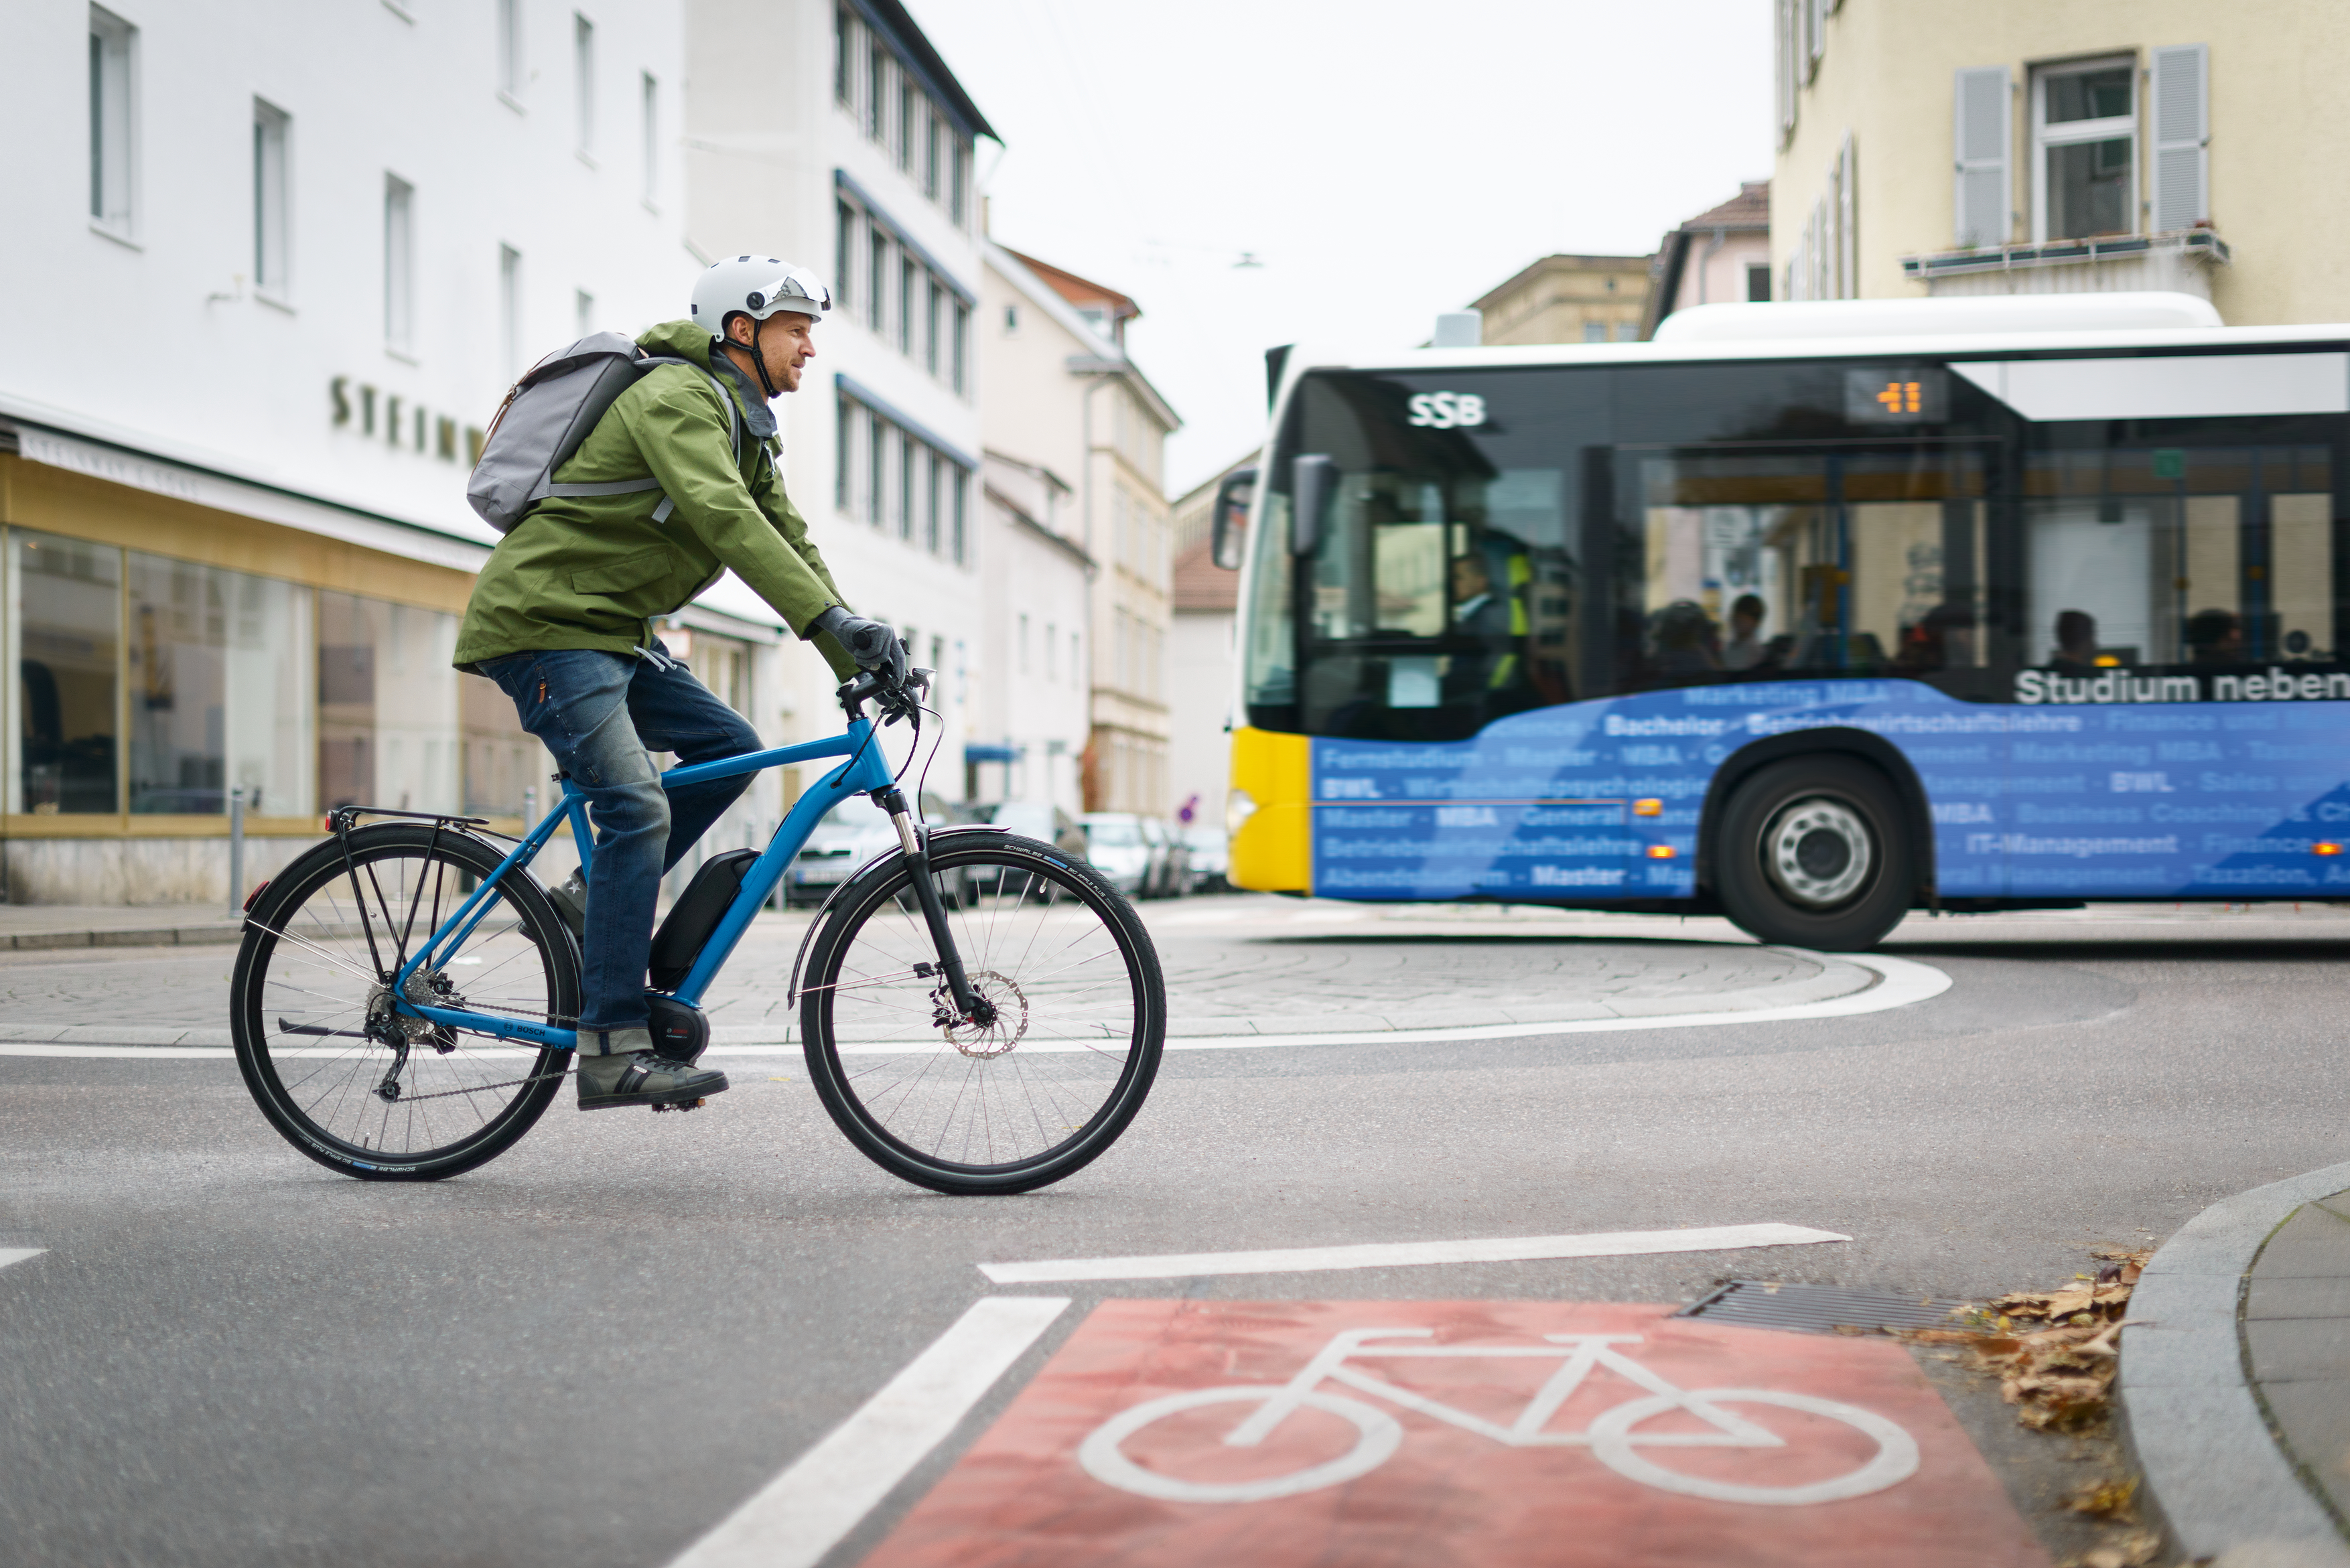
<point>387,706</point>
<point>64,602</point>
<point>219,701</point>
<point>502,758</point>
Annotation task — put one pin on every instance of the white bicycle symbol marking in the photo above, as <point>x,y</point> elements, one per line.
<point>1612,1437</point>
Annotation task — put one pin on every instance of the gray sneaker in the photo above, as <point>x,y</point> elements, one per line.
<point>643,1078</point>
<point>570,901</point>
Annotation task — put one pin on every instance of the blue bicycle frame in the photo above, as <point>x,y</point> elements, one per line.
<point>866,772</point>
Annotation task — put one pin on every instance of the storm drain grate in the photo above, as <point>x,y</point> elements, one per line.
<point>1820,1309</point>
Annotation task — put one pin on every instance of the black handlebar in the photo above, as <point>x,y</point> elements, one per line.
<point>897,701</point>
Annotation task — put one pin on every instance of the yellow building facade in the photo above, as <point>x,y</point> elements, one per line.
<point>2008,146</point>
<point>1569,299</point>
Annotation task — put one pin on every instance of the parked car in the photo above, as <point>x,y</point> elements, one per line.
<point>1169,858</point>
<point>1115,844</point>
<point>1030,819</point>
<point>851,833</point>
<point>1212,858</point>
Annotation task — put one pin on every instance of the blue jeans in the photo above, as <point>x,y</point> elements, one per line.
<point>602,715</point>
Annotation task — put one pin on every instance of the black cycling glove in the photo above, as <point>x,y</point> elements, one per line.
<point>871,643</point>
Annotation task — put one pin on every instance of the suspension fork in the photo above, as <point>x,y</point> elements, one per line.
<point>969,1003</point>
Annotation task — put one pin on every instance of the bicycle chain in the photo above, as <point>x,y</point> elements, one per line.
<point>483,1088</point>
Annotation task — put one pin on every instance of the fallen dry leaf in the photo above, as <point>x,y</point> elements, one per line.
<point>2134,1549</point>
<point>2109,1498</point>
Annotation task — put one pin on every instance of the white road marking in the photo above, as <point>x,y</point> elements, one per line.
<point>804,1512</point>
<point>1393,1254</point>
<point>18,1254</point>
<point>1902,981</point>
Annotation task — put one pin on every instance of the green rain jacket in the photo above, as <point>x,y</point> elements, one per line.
<point>596,571</point>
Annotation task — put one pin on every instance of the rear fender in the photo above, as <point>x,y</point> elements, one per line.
<point>1875,750</point>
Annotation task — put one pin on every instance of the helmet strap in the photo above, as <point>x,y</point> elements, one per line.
<point>759,360</point>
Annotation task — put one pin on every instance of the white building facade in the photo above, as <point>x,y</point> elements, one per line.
<point>835,136</point>
<point>263,310</point>
<point>1064,396</point>
<point>1031,715</point>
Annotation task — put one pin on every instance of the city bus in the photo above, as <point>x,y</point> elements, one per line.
<point>1808,615</point>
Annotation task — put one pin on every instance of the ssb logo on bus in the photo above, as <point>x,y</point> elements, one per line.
<point>1446,411</point>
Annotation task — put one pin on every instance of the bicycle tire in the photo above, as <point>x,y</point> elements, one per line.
<point>308,983</point>
<point>1061,1054</point>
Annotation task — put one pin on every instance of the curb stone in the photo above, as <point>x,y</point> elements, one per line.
<point>2224,1489</point>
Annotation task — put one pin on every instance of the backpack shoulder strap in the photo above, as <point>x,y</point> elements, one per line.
<point>630,486</point>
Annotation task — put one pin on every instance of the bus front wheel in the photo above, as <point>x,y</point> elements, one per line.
<point>1812,854</point>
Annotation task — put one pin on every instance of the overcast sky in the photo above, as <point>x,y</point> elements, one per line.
<point>1383,161</point>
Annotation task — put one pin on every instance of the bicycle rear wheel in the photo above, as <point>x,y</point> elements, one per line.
<point>1081,1016</point>
<point>343,1077</point>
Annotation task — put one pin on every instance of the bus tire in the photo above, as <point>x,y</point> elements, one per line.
<point>1811,853</point>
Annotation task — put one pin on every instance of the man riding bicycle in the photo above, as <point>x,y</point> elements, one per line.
<point>562,618</point>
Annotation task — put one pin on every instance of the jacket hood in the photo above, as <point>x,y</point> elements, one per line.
<point>683,339</point>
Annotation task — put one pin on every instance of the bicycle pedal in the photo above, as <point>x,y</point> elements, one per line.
<point>682,1106</point>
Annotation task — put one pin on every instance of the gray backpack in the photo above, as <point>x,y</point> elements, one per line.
<point>549,412</point>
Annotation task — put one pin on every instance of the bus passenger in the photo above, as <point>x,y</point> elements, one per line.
<point>2215,636</point>
<point>1684,639</point>
<point>2077,643</point>
<point>1746,650</point>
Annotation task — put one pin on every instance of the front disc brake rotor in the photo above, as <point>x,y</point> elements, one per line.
<point>986,1041</point>
<point>1818,851</point>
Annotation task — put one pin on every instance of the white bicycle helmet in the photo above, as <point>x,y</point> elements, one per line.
<point>758,288</point>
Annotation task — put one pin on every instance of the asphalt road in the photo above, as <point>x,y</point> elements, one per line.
<point>594,1349</point>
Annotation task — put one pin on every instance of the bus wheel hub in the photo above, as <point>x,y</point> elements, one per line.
<point>1818,851</point>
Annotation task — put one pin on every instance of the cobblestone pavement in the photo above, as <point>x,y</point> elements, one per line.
<point>1236,964</point>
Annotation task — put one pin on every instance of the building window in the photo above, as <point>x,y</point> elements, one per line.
<point>959,180</point>
<point>931,133</point>
<point>1595,332</point>
<point>961,333</point>
<point>961,487</point>
<point>583,79</point>
<point>877,277</point>
<point>65,610</point>
<point>509,308</point>
<point>907,99</point>
<point>387,706</point>
<point>844,50</point>
<point>844,448</point>
<point>844,246</point>
<point>906,491</point>
<point>908,271</point>
<point>2084,135</point>
<point>1758,282</point>
<point>649,97</point>
<point>269,259</point>
<point>583,310</point>
<point>877,467</point>
<point>218,662</point>
<point>399,262</point>
<point>930,519</point>
<point>112,125</point>
<point>937,308</point>
<point>876,90</point>
<point>1023,645</point>
<point>510,72</point>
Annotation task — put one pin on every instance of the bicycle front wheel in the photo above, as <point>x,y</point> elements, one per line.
<point>1034,1096</point>
<point>345,1078</point>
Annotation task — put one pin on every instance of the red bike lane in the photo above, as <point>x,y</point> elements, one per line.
<point>1492,1432</point>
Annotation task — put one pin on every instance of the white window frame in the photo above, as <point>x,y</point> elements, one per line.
<point>648,101</point>
<point>113,126</point>
<point>512,75</point>
<point>272,185</point>
<point>399,265</point>
<point>510,309</point>
<point>2114,128</point>
<point>583,85</point>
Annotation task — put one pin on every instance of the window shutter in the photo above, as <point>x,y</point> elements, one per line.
<point>2182,132</point>
<point>1782,16</point>
<point>1981,138</point>
<point>1815,41</point>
